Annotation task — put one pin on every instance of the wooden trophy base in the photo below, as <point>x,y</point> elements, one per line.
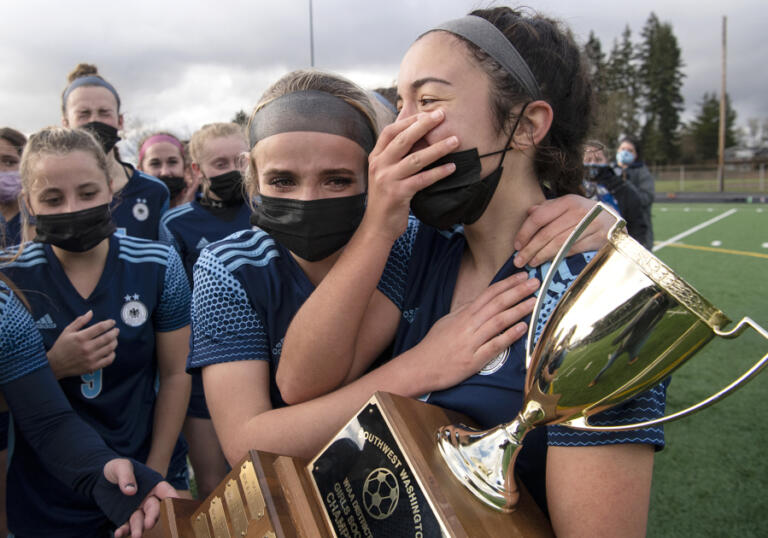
<point>382,475</point>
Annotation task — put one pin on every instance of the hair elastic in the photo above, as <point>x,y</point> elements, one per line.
<point>315,111</point>
<point>490,39</point>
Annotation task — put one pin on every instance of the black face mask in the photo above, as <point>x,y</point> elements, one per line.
<point>462,197</point>
<point>78,231</point>
<point>594,171</point>
<point>106,134</point>
<point>311,229</point>
<point>228,187</point>
<point>175,184</point>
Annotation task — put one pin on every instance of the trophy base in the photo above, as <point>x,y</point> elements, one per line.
<point>478,459</point>
<point>381,476</point>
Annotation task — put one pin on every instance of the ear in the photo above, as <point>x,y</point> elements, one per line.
<point>119,122</point>
<point>534,125</point>
<point>64,121</point>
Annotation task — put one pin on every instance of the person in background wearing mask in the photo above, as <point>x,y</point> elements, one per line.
<point>625,196</point>
<point>92,103</point>
<point>164,156</point>
<point>631,169</point>
<point>113,313</point>
<point>218,153</point>
<point>11,145</point>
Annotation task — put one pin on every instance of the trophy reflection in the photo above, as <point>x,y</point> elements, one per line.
<point>626,323</point>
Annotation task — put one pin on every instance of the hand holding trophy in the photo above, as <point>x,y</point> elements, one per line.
<point>597,350</point>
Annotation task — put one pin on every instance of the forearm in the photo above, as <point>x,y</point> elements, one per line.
<point>45,419</point>
<point>303,429</point>
<point>320,346</point>
<point>170,409</point>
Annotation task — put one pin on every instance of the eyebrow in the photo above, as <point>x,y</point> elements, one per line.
<point>277,172</point>
<point>338,171</point>
<point>416,84</point>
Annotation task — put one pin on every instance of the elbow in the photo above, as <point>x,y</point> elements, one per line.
<point>291,390</point>
<point>233,452</point>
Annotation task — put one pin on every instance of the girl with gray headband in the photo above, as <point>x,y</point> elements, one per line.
<point>494,109</point>
<point>310,137</point>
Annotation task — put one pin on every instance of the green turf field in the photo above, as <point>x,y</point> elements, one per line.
<point>711,479</point>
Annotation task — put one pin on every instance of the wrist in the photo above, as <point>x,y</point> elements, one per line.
<point>374,233</point>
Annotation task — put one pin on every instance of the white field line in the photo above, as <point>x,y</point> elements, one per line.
<point>695,229</point>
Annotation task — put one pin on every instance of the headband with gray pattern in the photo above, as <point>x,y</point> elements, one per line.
<point>315,111</point>
<point>485,35</point>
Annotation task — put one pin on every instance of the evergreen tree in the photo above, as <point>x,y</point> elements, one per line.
<point>621,81</point>
<point>593,50</point>
<point>240,117</point>
<point>661,79</point>
<point>705,127</point>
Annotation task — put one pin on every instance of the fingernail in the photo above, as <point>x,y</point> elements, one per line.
<point>518,261</point>
<point>132,486</point>
<point>453,141</point>
<point>450,167</point>
<point>437,114</point>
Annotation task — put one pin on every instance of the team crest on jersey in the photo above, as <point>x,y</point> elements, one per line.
<point>141,209</point>
<point>134,313</point>
<point>495,364</point>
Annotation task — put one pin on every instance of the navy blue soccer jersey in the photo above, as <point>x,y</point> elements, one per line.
<point>143,287</point>
<point>137,208</point>
<point>494,395</point>
<point>191,227</point>
<point>247,288</point>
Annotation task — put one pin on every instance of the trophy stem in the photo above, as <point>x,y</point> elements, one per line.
<point>484,461</point>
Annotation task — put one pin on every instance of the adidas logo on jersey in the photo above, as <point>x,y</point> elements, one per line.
<point>46,322</point>
<point>202,243</point>
<point>410,314</point>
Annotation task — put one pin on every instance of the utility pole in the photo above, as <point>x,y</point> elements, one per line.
<point>723,103</point>
<point>311,38</point>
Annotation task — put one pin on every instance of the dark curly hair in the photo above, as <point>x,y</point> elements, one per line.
<point>557,63</point>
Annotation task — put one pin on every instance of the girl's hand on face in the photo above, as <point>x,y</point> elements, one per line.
<point>80,350</point>
<point>395,171</point>
<point>461,343</point>
<point>549,225</point>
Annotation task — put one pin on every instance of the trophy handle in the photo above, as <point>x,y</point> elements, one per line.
<point>561,254</point>
<point>582,423</point>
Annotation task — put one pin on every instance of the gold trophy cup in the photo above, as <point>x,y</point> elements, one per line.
<point>626,323</point>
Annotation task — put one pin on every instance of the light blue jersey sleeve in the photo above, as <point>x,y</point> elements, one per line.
<point>21,347</point>
<point>225,326</point>
<point>173,311</point>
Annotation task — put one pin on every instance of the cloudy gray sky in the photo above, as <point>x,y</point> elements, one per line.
<point>179,64</point>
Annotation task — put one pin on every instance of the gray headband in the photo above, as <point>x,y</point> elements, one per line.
<point>490,39</point>
<point>90,80</point>
<point>314,111</point>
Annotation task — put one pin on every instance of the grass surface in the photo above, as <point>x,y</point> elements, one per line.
<point>711,478</point>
